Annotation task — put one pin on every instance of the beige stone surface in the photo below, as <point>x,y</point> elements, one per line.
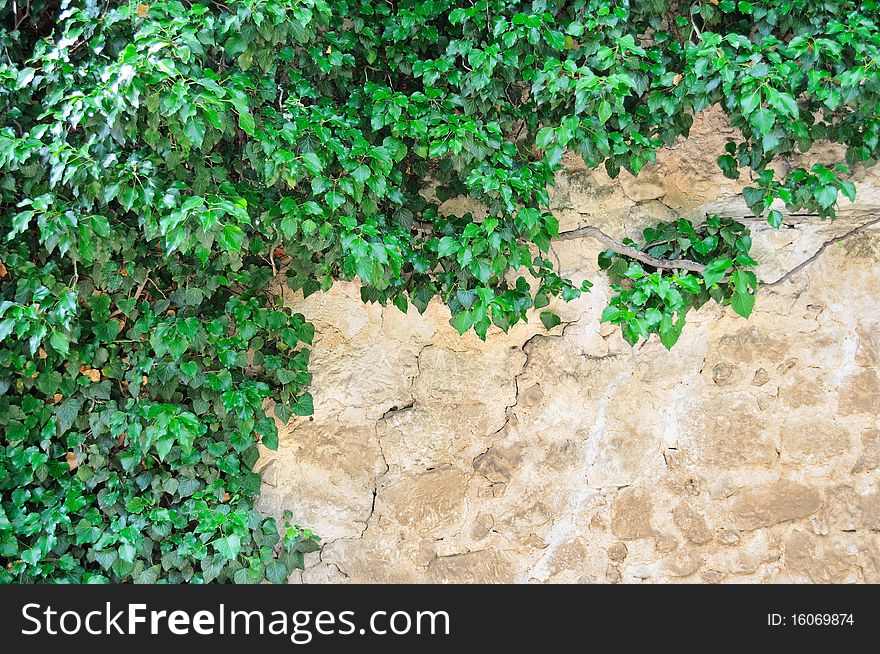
<point>766,505</point>
<point>750,452</point>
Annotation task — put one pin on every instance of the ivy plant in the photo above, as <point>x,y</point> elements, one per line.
<point>165,166</point>
<point>648,301</point>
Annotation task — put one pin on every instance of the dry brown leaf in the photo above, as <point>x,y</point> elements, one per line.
<point>227,497</point>
<point>72,461</point>
<point>57,398</point>
<point>677,79</point>
<point>3,271</point>
<point>92,373</point>
<point>123,272</point>
<point>143,9</point>
<point>42,353</point>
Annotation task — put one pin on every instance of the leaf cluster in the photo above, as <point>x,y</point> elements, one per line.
<point>650,300</point>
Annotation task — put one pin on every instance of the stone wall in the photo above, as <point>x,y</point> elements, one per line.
<point>751,452</point>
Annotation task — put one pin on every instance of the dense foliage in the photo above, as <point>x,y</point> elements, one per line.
<point>163,164</point>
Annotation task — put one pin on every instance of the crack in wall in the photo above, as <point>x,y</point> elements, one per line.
<point>837,239</point>
<point>394,409</point>
<point>377,482</point>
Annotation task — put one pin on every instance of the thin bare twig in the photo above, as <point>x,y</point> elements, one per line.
<point>631,252</point>
<point>161,292</point>
<point>272,261</point>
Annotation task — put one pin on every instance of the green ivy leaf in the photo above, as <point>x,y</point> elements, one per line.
<point>463,321</point>
<point>671,332</point>
<point>59,342</point>
<point>148,575</point>
<point>826,196</point>
<point>689,283</point>
<point>743,303</point>
<point>312,163</point>
<point>276,573</point>
<point>550,319</point>
<point>246,122</point>
<point>447,246</point>
<point>228,546</point>
<point>774,218</point>
<point>303,405</point>
<point>361,173</point>
<point>849,190</point>
<point>544,137</point>
<point>635,271</point>
<point>715,270</point>
<point>754,197</point>
<point>789,105</point>
<point>604,112</point>
<point>231,238</point>
<point>749,102</point>
<point>763,120</point>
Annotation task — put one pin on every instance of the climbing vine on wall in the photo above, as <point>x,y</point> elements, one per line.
<point>165,165</point>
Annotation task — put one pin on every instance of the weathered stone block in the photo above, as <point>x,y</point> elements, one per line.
<point>691,524</point>
<point>631,515</point>
<point>770,504</point>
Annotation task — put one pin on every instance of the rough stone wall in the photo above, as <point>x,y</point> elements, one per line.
<point>751,452</point>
